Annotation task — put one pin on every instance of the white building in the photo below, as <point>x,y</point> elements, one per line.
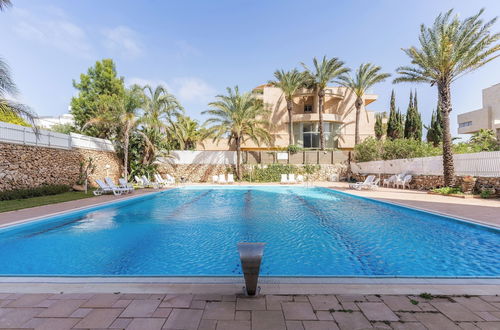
<point>49,121</point>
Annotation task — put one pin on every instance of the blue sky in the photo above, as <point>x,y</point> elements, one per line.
<point>197,48</point>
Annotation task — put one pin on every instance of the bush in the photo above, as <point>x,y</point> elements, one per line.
<point>272,173</point>
<point>447,191</point>
<point>293,148</point>
<point>372,149</point>
<point>43,190</point>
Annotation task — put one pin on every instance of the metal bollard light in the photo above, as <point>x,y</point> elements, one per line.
<point>251,257</point>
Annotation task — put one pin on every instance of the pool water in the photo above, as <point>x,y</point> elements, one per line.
<point>193,231</point>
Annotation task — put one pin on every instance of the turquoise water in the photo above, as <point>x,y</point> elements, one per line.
<point>194,231</point>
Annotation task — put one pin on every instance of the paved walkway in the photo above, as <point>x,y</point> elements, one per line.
<point>231,312</point>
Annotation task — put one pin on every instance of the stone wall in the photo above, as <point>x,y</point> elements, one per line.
<point>24,166</point>
<point>428,182</point>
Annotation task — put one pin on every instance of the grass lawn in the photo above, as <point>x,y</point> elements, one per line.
<point>18,204</point>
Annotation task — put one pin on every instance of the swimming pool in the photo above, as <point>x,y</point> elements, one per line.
<point>193,231</point>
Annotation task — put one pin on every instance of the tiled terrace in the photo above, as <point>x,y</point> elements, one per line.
<point>232,312</point>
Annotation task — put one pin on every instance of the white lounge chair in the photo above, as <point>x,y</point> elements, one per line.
<point>112,185</point>
<point>222,179</point>
<point>125,184</point>
<point>160,181</point>
<point>284,178</point>
<point>291,178</point>
<point>215,178</point>
<point>148,183</point>
<point>300,178</point>
<point>104,189</point>
<point>365,184</point>
<point>405,182</point>
<point>170,179</point>
<point>139,181</point>
<point>374,184</point>
<point>389,181</point>
<point>230,178</point>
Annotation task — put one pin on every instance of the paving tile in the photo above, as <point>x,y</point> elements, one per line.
<point>354,320</point>
<point>122,303</point>
<point>488,325</point>
<point>400,303</point>
<point>381,325</point>
<point>177,300</point>
<point>62,308</point>
<point>81,312</point>
<point>120,323</point>
<point>146,324</point>
<point>102,300</point>
<point>377,311</point>
<point>373,298</point>
<point>406,316</point>
<point>135,296</point>
<point>15,317</point>
<point>162,312</point>
<point>54,324</point>
<point>320,325</point>
<point>349,306</point>
<point>487,298</point>
<point>242,315</point>
<point>140,308</point>
<point>455,311</point>
<point>426,307</point>
<point>324,302</point>
<point>183,319</point>
<point>273,302</point>
<point>198,304</point>
<point>29,300</point>
<point>207,325</point>
<point>294,325</point>
<point>99,318</point>
<point>488,316</point>
<point>208,297</point>
<point>467,326</point>
<point>76,296</point>
<point>435,321</point>
<point>298,311</point>
<point>220,310</point>
<point>476,304</point>
<point>231,297</point>
<point>407,326</point>
<point>251,304</point>
<point>46,303</point>
<point>263,320</point>
<point>157,296</point>
<point>300,298</point>
<point>324,315</point>
<point>233,325</point>
<point>350,298</point>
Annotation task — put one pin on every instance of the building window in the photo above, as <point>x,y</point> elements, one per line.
<point>465,124</point>
<point>308,108</point>
<point>310,134</point>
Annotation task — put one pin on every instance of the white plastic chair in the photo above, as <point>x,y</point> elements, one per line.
<point>300,178</point>
<point>170,179</point>
<point>389,181</point>
<point>230,178</point>
<point>125,184</point>
<point>366,184</point>
<point>104,189</point>
<point>291,178</point>
<point>222,179</point>
<point>148,183</point>
<point>112,185</point>
<point>215,178</point>
<point>284,178</point>
<point>139,181</point>
<point>405,182</point>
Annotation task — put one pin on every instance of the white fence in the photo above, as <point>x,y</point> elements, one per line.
<point>10,133</point>
<point>485,164</point>
<point>201,157</point>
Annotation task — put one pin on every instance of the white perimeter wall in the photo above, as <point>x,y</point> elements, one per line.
<point>201,157</point>
<point>477,164</point>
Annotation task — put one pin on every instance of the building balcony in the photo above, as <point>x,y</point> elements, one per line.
<point>313,117</point>
<point>329,92</point>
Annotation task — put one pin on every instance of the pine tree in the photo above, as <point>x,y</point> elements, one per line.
<point>413,123</point>
<point>392,124</point>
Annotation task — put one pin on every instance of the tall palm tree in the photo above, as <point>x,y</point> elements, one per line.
<point>449,49</point>
<point>186,133</point>
<point>123,121</point>
<point>238,116</point>
<point>366,76</point>
<point>4,4</point>
<point>289,82</point>
<point>318,79</point>
<point>159,106</point>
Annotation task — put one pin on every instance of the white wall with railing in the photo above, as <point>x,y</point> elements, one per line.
<point>201,157</point>
<point>485,164</point>
<point>17,134</point>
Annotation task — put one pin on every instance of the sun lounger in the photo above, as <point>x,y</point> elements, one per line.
<point>148,183</point>
<point>291,178</point>
<point>222,179</point>
<point>125,184</point>
<point>170,179</point>
<point>139,181</point>
<point>365,184</point>
<point>112,185</point>
<point>105,189</point>
<point>160,181</point>
<point>300,178</point>
<point>230,178</point>
<point>284,178</point>
<point>215,178</point>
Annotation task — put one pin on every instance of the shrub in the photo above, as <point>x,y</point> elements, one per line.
<point>293,148</point>
<point>485,194</point>
<point>370,149</point>
<point>447,190</point>
<point>43,190</point>
<point>270,173</point>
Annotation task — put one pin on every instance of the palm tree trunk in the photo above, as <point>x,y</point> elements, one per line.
<point>445,103</point>
<point>321,95</point>
<point>359,102</point>
<point>289,106</point>
<point>125,155</point>
<point>238,157</point>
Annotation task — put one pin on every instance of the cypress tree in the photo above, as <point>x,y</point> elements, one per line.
<point>435,129</point>
<point>392,124</point>
<point>400,125</point>
<point>379,125</point>
<point>413,123</point>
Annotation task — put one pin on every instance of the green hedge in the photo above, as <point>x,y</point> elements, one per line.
<point>43,190</point>
<point>272,172</point>
<point>372,149</point>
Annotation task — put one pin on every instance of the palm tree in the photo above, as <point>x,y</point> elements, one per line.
<point>159,106</point>
<point>324,72</point>
<point>4,4</point>
<point>186,133</point>
<point>238,117</point>
<point>124,119</point>
<point>366,76</point>
<point>449,49</point>
<point>289,82</point>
